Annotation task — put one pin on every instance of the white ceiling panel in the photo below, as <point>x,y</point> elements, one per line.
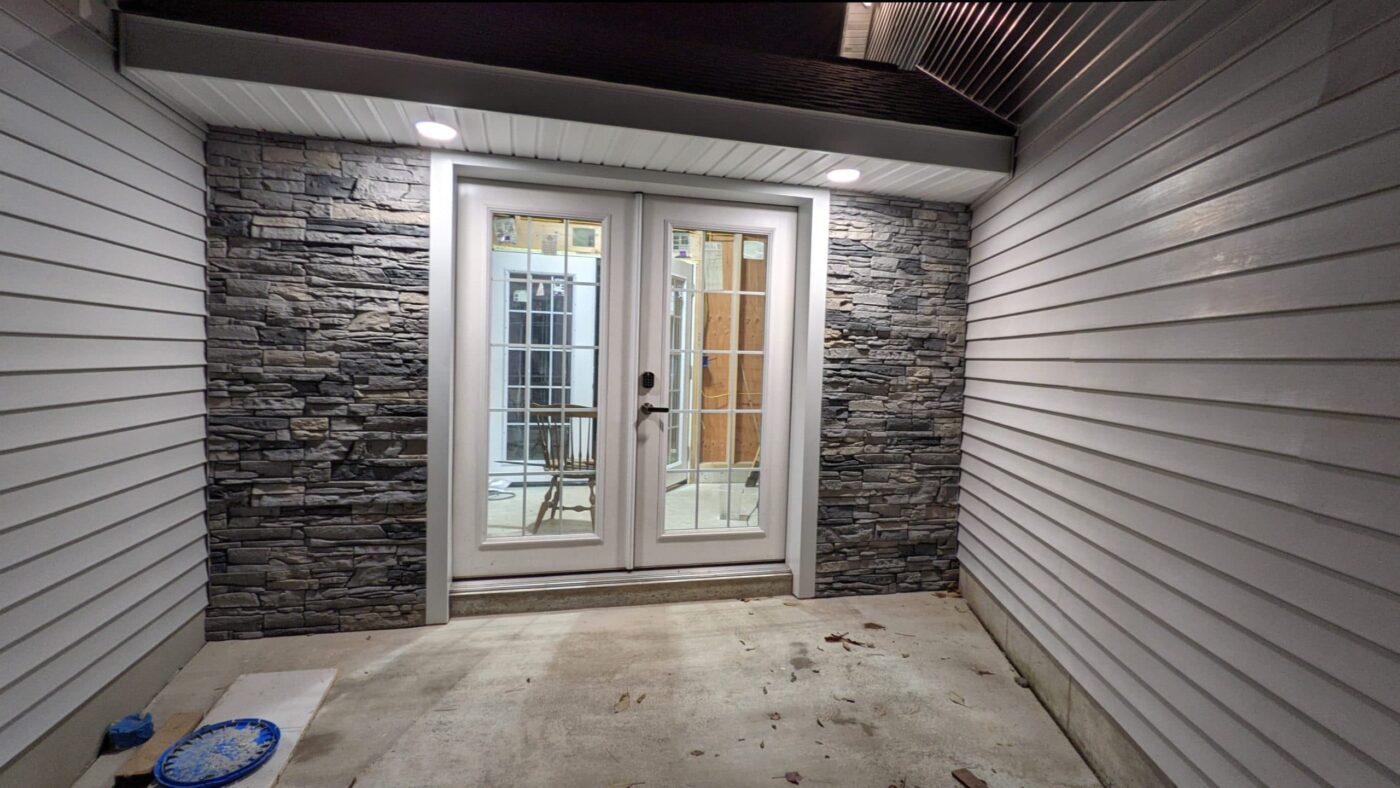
<point>314,113</point>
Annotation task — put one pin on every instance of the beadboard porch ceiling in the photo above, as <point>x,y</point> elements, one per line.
<point>251,81</point>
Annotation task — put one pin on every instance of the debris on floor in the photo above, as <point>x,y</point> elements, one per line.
<point>793,777</point>
<point>873,625</point>
<point>846,642</point>
<point>968,779</point>
<point>445,717</point>
<point>623,702</point>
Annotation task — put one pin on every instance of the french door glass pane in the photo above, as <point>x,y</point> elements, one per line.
<point>545,320</point>
<point>715,374</point>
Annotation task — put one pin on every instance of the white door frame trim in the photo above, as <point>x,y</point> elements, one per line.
<point>809,321</point>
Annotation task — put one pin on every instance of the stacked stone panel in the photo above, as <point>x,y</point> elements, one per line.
<point>892,395</point>
<point>317,374</point>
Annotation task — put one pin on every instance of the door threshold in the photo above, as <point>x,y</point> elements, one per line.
<point>614,589</point>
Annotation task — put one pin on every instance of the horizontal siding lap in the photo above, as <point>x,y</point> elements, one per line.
<point>42,205</point>
<point>52,425</point>
<point>1369,167</point>
<point>1362,332</point>
<point>1341,548</point>
<point>1339,282</point>
<point>59,246</point>
<point>100,518</point>
<point>41,628</point>
<point>1363,444</point>
<point>35,164</point>
<point>53,460</point>
<point>1297,238</point>
<point>1359,498</point>
<point>53,354</point>
<point>1335,387</point>
<point>43,570</point>
<point>24,122</point>
<point>46,498</point>
<point>32,316</point>
<point>47,280</point>
<point>44,389</point>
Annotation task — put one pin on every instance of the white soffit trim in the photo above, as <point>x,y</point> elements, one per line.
<point>274,83</point>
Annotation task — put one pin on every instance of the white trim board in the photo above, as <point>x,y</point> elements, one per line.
<point>813,206</point>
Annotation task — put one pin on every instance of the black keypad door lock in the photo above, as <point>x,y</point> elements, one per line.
<point>648,380</point>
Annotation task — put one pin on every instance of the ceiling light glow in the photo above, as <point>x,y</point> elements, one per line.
<point>435,131</point>
<point>843,176</point>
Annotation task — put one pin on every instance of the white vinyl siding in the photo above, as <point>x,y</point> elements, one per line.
<point>102,553</point>
<point>1181,464</point>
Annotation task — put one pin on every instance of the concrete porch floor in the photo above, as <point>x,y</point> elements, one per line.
<point>724,693</point>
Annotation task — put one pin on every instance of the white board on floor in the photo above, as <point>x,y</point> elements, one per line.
<point>289,699</point>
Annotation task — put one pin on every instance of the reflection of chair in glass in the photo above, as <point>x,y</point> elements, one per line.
<point>566,438</point>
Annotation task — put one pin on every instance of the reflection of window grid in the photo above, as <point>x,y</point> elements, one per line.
<point>677,380</point>
<point>681,248</point>
<point>536,376</point>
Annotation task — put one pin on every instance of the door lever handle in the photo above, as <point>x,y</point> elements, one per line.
<point>648,409</point>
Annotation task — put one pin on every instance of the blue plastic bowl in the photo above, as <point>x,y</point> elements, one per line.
<point>218,754</point>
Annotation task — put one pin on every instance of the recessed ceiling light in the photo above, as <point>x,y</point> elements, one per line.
<point>843,176</point>
<point>435,131</point>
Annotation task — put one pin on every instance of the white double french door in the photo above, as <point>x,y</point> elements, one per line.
<point>622,381</point>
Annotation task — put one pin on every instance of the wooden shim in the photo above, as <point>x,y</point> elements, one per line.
<point>138,768</point>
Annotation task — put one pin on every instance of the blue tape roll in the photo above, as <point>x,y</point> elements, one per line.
<point>129,731</point>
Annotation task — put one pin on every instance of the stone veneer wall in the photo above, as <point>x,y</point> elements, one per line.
<point>892,395</point>
<point>318,280</point>
<point>317,372</point>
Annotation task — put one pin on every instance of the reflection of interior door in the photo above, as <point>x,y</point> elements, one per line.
<point>717,336</point>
